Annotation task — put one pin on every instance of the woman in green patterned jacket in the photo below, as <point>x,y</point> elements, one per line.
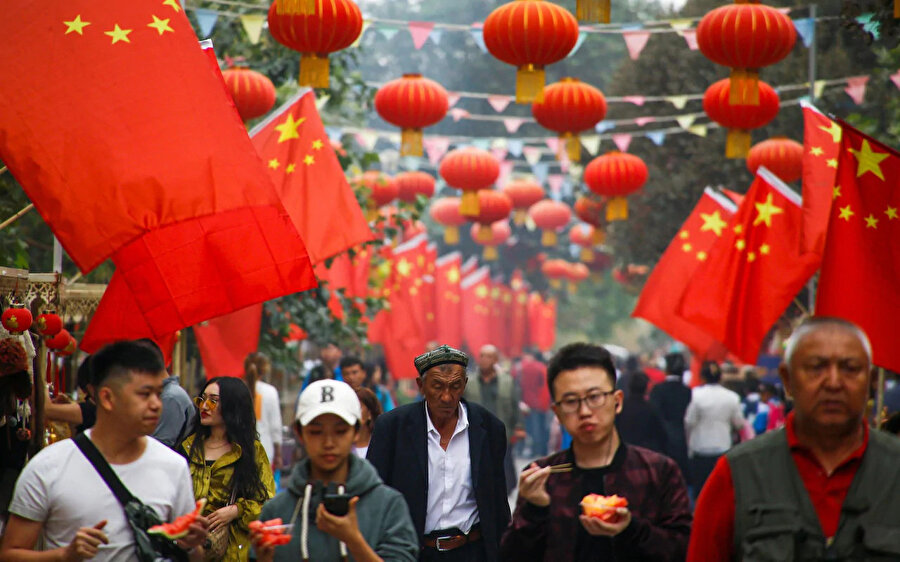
<point>229,466</point>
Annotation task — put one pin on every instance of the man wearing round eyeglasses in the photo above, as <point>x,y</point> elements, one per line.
<point>548,523</point>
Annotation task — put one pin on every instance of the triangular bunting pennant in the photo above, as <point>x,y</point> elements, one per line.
<point>436,35</point>
<point>388,32</point>
<point>515,146</point>
<point>532,154</point>
<point>635,41</point>
<point>478,37</point>
<point>457,113</point>
<point>819,88</point>
<point>499,103</point>
<point>552,144</point>
<point>641,121</point>
<point>591,143</point>
<point>895,78</point>
<point>253,24</point>
<point>856,88</point>
<point>420,30</point>
<point>483,144</point>
<point>690,37</point>
<point>604,126</point>
<point>540,171</point>
<point>506,168</point>
<point>678,101</point>
<point>435,148</point>
<point>685,121</point>
<point>658,137</point>
<point>555,182</point>
<point>499,152</point>
<point>452,98</point>
<point>206,20</point>
<point>681,24</point>
<point>806,29</point>
<point>581,37</point>
<point>870,24</point>
<point>636,100</point>
<point>699,130</point>
<point>622,140</point>
<point>366,139</point>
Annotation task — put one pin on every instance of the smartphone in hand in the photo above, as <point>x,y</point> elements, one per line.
<point>337,504</point>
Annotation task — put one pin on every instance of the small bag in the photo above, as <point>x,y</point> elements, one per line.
<point>217,541</point>
<point>140,517</point>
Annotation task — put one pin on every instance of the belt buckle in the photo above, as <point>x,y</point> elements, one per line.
<point>437,544</point>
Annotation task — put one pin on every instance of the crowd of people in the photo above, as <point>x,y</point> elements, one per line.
<point>733,468</point>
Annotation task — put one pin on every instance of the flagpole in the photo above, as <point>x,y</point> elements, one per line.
<point>16,216</point>
<point>813,9</point>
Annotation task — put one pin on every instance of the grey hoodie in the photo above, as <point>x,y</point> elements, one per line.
<point>381,513</point>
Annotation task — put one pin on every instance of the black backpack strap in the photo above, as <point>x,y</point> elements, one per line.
<point>102,467</point>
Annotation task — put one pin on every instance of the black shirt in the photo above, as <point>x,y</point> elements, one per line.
<point>589,547</point>
<point>88,416</point>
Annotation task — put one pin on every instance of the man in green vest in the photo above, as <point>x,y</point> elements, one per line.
<point>499,393</point>
<point>821,488</point>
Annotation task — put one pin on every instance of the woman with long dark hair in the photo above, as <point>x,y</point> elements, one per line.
<point>229,466</point>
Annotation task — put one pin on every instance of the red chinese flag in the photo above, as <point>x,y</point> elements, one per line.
<point>309,178</point>
<point>547,325</point>
<point>662,292</point>
<point>859,278</point>
<point>538,314</point>
<point>476,309</point>
<point>448,299</point>
<point>754,270</point>
<point>497,317</point>
<point>115,126</point>
<point>428,295</point>
<point>518,315</point>
<point>821,147</point>
<point>226,341</point>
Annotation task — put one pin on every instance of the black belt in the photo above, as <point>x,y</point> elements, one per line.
<point>444,541</point>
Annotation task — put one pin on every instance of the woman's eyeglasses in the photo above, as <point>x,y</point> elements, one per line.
<point>210,402</point>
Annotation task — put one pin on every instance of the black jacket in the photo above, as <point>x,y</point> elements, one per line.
<point>399,451</point>
<point>640,424</point>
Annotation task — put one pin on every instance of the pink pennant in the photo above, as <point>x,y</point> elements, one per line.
<point>435,147</point>
<point>641,121</point>
<point>636,100</point>
<point>420,30</point>
<point>555,181</point>
<point>895,78</point>
<point>552,144</point>
<point>506,168</point>
<point>499,153</point>
<point>690,37</point>
<point>856,88</point>
<point>512,124</point>
<point>452,98</point>
<point>457,114</point>
<point>622,140</point>
<point>564,162</point>
<point>499,103</point>
<point>478,25</point>
<point>635,41</point>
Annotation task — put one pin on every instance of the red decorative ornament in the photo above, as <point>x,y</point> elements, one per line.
<point>445,212</point>
<point>16,319</point>
<point>412,103</point>
<point>493,206</point>
<point>582,235</point>
<point>781,155</point>
<point>550,216</point>
<point>739,119</point>
<point>499,232</point>
<point>592,210</point>
<point>745,36</point>
<point>469,169</point>
<point>59,341</point>
<point>615,175</point>
<point>530,34</point>
<point>555,270</point>
<point>523,194</point>
<point>412,184</point>
<point>69,349</point>
<point>569,107</point>
<point>382,190</point>
<point>577,273</point>
<point>253,93</point>
<point>48,324</point>
<point>328,27</point>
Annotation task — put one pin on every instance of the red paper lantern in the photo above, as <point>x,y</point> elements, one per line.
<point>592,211</point>
<point>253,93</point>
<point>383,189</point>
<point>555,270</point>
<point>412,103</point>
<point>550,216</point>
<point>615,175</point>
<point>16,319</point>
<point>329,27</point>
<point>582,235</point>
<point>493,206</point>
<point>577,273</point>
<point>412,184</point>
<point>530,34</point>
<point>469,169</point>
<point>59,341</point>
<point>523,194</point>
<point>739,119</point>
<point>745,37</point>
<point>69,348</point>
<point>445,212</point>
<point>569,107</point>
<point>499,232</point>
<point>781,155</point>
<point>48,324</point>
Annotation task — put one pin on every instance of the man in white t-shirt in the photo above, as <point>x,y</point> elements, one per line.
<point>61,498</point>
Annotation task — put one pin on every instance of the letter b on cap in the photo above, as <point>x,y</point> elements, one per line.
<point>327,394</point>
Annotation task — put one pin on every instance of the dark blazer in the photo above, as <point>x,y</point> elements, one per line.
<point>399,451</point>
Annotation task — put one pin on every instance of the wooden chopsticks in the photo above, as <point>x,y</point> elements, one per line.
<point>558,468</point>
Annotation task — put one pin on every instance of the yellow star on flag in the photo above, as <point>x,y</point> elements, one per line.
<point>816,151</point>
<point>831,162</point>
<point>687,247</point>
<point>765,212</point>
<point>869,160</point>
<point>404,268</point>
<point>713,222</point>
<point>119,34</point>
<point>76,25</point>
<point>274,163</point>
<point>740,244</point>
<point>481,291</point>
<point>836,192</point>
<point>495,292</point>
<point>765,249</point>
<point>738,228</point>
<point>834,130</point>
<point>288,128</point>
<point>413,291</point>
<point>701,256</point>
<point>684,234</point>
<point>290,168</point>
<point>846,213</point>
<point>751,256</point>
<point>317,144</point>
<point>160,25</point>
<point>309,160</point>
<point>891,212</point>
<point>453,275</point>
<point>871,221</point>
<point>173,3</point>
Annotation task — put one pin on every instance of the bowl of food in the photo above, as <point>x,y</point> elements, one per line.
<point>606,508</point>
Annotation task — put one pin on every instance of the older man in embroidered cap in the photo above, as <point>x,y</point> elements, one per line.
<point>445,455</point>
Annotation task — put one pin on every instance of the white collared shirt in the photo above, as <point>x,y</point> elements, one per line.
<point>714,412</point>
<point>451,496</point>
